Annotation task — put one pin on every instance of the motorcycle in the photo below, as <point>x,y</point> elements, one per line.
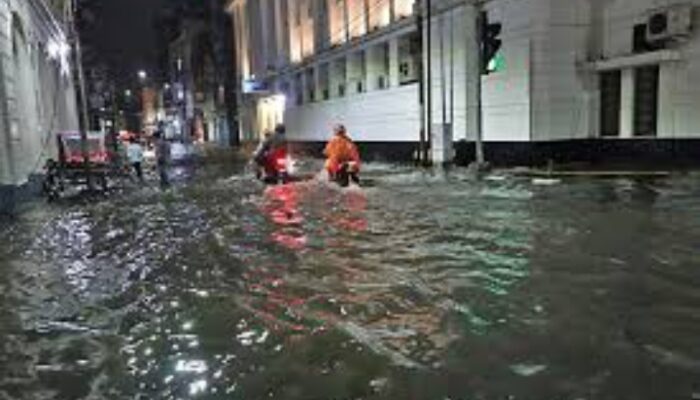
<point>344,173</point>
<point>274,168</point>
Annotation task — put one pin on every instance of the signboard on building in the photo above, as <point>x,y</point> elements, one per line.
<point>254,86</point>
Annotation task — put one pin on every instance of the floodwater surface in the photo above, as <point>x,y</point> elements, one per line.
<point>419,285</point>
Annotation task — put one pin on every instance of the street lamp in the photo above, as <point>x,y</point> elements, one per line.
<point>127,93</point>
<point>142,75</point>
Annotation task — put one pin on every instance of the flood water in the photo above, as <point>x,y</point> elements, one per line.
<point>418,286</point>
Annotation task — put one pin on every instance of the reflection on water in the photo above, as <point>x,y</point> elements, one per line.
<point>420,286</point>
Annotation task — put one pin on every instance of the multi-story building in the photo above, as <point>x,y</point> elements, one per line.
<point>588,80</point>
<point>196,85</point>
<point>37,98</point>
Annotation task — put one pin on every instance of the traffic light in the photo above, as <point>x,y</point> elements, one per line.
<point>490,42</point>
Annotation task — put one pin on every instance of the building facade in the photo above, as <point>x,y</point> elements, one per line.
<point>196,88</point>
<point>578,80</point>
<point>37,97</point>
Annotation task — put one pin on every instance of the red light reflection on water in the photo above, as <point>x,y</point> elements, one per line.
<point>281,205</point>
<point>351,214</point>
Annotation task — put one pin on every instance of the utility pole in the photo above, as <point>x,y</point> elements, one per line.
<point>477,45</point>
<point>81,93</point>
<point>429,79</point>
<point>418,11</point>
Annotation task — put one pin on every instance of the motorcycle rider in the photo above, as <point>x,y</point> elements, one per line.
<point>272,144</point>
<point>340,153</point>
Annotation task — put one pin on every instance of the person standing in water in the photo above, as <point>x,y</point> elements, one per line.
<point>162,148</point>
<point>134,153</point>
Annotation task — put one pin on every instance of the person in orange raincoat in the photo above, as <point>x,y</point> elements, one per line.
<point>339,151</point>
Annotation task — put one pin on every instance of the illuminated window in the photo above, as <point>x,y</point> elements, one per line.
<point>357,19</point>
<point>403,8</point>
<point>295,32</point>
<point>336,21</point>
<point>379,13</point>
<point>307,29</point>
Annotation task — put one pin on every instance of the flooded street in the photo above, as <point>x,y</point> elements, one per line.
<point>417,286</point>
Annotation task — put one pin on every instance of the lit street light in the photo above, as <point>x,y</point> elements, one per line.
<point>142,75</point>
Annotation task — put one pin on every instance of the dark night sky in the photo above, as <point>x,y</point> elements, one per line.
<point>126,36</point>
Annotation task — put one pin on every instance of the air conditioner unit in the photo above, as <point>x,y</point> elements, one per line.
<point>669,23</point>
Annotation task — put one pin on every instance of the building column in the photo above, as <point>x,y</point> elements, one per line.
<point>354,72</point>
<point>394,61</point>
<point>374,62</point>
<point>665,124</point>
<point>627,103</point>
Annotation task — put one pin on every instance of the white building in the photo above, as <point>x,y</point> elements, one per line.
<point>37,98</point>
<point>582,79</point>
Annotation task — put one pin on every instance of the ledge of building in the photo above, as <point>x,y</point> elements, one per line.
<point>635,60</point>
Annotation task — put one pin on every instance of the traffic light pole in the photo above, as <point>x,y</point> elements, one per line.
<point>479,142</point>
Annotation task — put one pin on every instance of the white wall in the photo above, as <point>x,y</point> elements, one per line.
<point>565,95</point>
<point>560,93</point>
<point>383,115</point>
<point>36,100</point>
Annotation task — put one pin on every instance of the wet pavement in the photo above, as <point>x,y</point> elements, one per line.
<point>419,286</point>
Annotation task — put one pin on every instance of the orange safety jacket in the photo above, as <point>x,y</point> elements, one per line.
<point>341,149</point>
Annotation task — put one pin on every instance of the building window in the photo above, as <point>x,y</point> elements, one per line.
<point>339,76</point>
<point>310,85</point>
<point>384,58</point>
<point>336,21</point>
<point>299,90</point>
<point>295,33</point>
<point>379,13</point>
<point>610,97</point>
<point>324,78</point>
<point>362,56</point>
<point>646,100</point>
<point>357,18</point>
<point>409,59</point>
<point>403,8</point>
